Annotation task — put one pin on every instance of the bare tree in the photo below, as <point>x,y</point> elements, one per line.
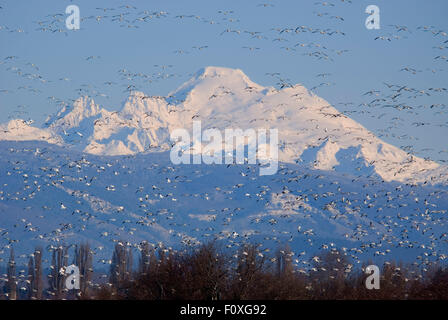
<point>12,280</point>
<point>284,261</point>
<point>121,267</point>
<point>57,274</point>
<point>83,260</point>
<point>206,270</point>
<point>30,280</point>
<point>249,269</point>
<point>37,281</point>
<point>145,258</point>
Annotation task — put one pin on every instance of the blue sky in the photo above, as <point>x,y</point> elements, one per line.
<point>61,57</point>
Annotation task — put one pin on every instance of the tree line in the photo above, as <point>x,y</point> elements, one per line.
<point>209,272</point>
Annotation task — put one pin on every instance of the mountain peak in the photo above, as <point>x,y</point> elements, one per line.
<point>72,115</point>
<point>212,71</point>
<point>136,94</point>
<point>86,105</point>
<point>210,80</point>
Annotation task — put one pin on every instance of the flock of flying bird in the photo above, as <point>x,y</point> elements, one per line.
<point>397,96</point>
<point>372,211</point>
<point>111,200</point>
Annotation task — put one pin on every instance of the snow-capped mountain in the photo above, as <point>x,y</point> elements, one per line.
<point>311,131</point>
<point>100,176</point>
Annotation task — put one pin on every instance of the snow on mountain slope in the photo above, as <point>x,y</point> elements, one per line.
<point>311,131</point>
<point>72,116</point>
<point>52,195</point>
<point>20,130</point>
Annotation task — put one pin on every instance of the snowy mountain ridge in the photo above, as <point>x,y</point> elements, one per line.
<point>310,130</point>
